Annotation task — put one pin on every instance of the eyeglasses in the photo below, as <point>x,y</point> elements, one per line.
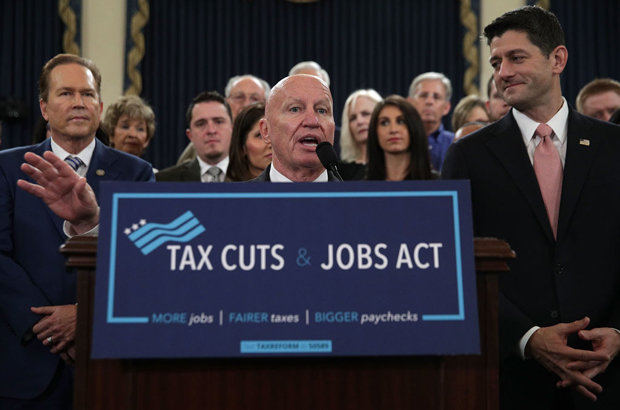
<point>241,98</point>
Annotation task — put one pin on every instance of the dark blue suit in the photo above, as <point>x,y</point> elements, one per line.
<point>32,271</point>
<point>551,281</point>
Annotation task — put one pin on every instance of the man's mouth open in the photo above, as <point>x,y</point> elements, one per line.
<point>310,142</point>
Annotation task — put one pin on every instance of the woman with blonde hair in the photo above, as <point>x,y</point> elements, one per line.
<point>354,132</point>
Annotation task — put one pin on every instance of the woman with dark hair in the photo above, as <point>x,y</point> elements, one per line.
<point>397,143</point>
<point>249,154</point>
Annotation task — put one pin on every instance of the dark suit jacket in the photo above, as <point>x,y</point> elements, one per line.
<point>550,281</point>
<point>264,176</point>
<point>185,172</point>
<point>32,271</point>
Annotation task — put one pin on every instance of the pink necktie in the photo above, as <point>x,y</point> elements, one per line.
<point>548,169</point>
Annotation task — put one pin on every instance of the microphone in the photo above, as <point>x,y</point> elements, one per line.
<point>328,157</point>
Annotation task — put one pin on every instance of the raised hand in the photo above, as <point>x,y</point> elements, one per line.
<point>66,193</point>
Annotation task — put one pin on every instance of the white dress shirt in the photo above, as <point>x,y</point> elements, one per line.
<point>276,176</point>
<point>559,125</point>
<point>86,155</point>
<point>204,167</point>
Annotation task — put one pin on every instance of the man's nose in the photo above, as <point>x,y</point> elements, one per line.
<point>505,71</point>
<point>78,101</point>
<point>311,119</point>
<point>211,127</point>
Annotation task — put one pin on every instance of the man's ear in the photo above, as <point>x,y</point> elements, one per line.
<point>188,133</point>
<point>264,131</point>
<point>446,109</point>
<point>559,57</point>
<point>43,106</point>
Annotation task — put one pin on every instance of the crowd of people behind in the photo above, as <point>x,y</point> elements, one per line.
<point>525,150</point>
<point>388,139</point>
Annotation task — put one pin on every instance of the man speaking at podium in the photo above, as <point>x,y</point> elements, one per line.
<point>299,115</point>
<point>546,179</point>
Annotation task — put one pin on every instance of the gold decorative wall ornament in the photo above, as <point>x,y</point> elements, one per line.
<point>469,20</point>
<point>67,15</point>
<point>136,54</point>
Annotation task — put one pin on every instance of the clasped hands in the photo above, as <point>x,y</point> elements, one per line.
<point>57,329</point>
<point>576,368</point>
<point>72,199</point>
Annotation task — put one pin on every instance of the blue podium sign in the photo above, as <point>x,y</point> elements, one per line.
<point>260,269</point>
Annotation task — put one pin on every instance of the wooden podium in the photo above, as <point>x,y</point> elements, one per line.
<point>356,383</point>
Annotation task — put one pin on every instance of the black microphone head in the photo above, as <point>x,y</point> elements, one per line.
<point>327,154</point>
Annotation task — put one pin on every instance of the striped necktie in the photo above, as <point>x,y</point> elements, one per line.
<point>214,174</point>
<point>74,162</point>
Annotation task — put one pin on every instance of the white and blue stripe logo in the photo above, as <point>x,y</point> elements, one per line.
<point>151,236</point>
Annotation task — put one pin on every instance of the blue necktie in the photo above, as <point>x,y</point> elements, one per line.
<point>74,162</point>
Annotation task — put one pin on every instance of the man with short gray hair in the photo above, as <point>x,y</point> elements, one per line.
<point>310,68</point>
<point>430,94</point>
<point>243,90</point>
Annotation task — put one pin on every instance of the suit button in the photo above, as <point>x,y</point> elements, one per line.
<point>555,314</point>
<point>559,268</point>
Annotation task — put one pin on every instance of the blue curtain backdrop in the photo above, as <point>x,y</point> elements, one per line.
<point>592,32</point>
<point>192,46</point>
<point>30,34</point>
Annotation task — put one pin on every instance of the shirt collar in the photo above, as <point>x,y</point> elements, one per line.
<point>223,165</point>
<point>558,123</point>
<point>85,155</point>
<point>276,176</point>
<point>438,131</point>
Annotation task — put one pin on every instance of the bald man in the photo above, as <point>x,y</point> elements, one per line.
<point>298,116</point>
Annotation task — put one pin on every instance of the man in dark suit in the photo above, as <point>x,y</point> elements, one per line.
<point>37,296</point>
<point>299,115</point>
<point>546,179</point>
<point>209,128</point>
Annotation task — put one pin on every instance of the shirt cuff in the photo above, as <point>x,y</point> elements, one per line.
<point>525,339</point>
<point>70,232</point>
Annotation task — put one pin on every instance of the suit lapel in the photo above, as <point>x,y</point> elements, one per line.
<point>264,176</point>
<point>579,159</point>
<point>191,173</point>
<point>101,167</point>
<point>510,150</point>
